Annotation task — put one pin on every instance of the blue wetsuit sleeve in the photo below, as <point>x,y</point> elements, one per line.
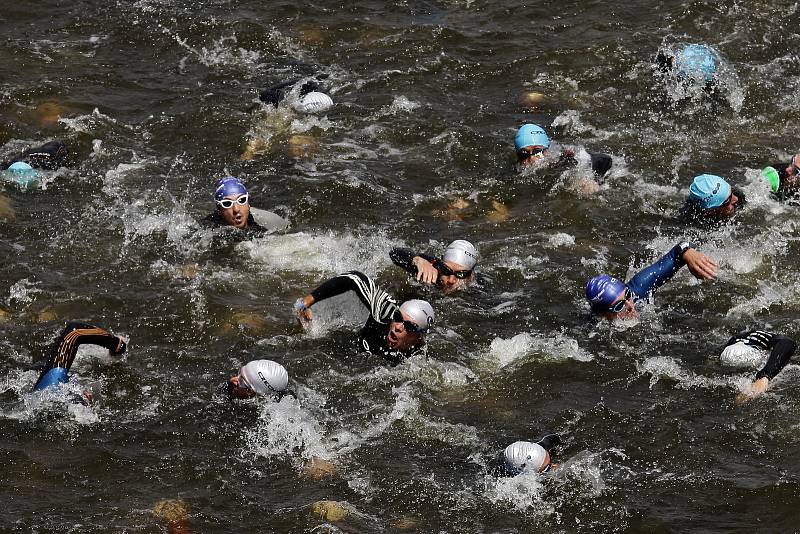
<point>654,276</point>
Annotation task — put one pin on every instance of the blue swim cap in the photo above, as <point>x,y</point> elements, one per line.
<point>602,291</point>
<point>229,186</point>
<point>695,61</point>
<point>53,377</point>
<point>22,174</point>
<point>709,191</point>
<point>531,135</point>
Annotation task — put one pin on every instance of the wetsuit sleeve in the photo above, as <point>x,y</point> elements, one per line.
<point>548,440</point>
<point>781,349</point>
<point>601,163</point>
<point>49,156</point>
<point>403,257</point>
<point>74,335</point>
<point>654,276</point>
<point>380,305</point>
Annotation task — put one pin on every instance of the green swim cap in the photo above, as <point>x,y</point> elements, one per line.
<point>772,178</point>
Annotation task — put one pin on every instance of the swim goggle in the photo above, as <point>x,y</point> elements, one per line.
<point>412,328</point>
<point>226,203</point>
<point>620,304</point>
<point>525,153</point>
<point>447,271</point>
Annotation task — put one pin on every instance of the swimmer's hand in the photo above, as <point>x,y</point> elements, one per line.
<point>426,272</point>
<point>700,265</point>
<point>756,389</point>
<point>302,309</point>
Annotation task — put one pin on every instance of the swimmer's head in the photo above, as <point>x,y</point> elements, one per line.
<point>526,456</point>
<point>713,195</point>
<point>530,143</point>
<point>233,202</point>
<point>609,297</point>
<point>259,377</point>
<point>792,181</point>
<point>313,102</point>
<point>695,62</point>
<point>456,270</point>
<point>409,324</point>
<point>22,173</point>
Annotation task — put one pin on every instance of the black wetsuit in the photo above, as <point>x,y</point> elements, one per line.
<point>66,346</point>
<point>782,348</point>
<point>274,95</point>
<point>215,220</point>
<point>692,213</point>
<point>381,306</point>
<point>403,257</point>
<point>49,156</point>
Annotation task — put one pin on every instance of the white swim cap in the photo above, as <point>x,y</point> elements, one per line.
<point>265,376</point>
<point>461,252</point>
<point>522,455</point>
<point>420,312</point>
<point>741,355</point>
<point>314,102</point>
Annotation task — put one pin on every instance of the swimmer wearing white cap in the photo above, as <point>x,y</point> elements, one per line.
<point>455,270</point>
<point>747,348</point>
<point>527,456</point>
<point>258,378</point>
<point>392,331</point>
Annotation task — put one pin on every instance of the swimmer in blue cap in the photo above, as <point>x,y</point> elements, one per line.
<point>392,331</point>
<point>49,156</point>
<point>233,206</point>
<point>609,297</point>
<point>531,144</point>
<point>711,199</point>
<point>56,370</point>
<point>690,62</point>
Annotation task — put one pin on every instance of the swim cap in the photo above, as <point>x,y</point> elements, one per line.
<point>772,177</point>
<point>265,376</point>
<point>696,61</point>
<point>314,102</point>
<point>53,377</point>
<point>531,135</point>
<point>522,455</point>
<point>741,354</point>
<point>421,313</point>
<point>229,186</point>
<point>602,291</point>
<point>709,191</point>
<point>461,252</point>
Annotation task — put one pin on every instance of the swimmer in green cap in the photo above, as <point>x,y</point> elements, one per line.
<point>784,179</point>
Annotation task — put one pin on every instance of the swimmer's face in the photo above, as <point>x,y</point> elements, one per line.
<point>531,155</point>
<point>455,277</point>
<point>792,181</point>
<point>238,388</point>
<point>399,338</point>
<point>239,211</point>
<point>727,210</point>
<point>623,303</point>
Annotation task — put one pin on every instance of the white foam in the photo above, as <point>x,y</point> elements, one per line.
<point>22,292</point>
<point>558,347</point>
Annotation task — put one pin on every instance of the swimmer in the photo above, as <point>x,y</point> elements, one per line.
<point>613,300</point>
<point>532,145</point>
<point>259,378</point>
<point>744,345</point>
<point>233,207</point>
<point>393,332</point>
<point>530,456</point>
<point>56,370</point>
<point>711,200</point>
<point>690,63</point>
<point>49,156</point>
<point>784,179</point>
<point>312,97</point>
<point>455,270</point>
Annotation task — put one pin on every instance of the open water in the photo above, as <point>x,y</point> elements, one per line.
<point>158,98</point>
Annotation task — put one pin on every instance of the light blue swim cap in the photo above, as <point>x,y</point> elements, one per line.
<point>602,291</point>
<point>709,191</point>
<point>229,186</point>
<point>53,377</point>
<point>531,135</point>
<point>695,61</point>
<point>22,173</point>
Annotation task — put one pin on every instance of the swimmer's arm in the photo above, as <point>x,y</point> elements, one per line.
<point>375,299</point>
<point>404,258</point>
<point>654,276</point>
<point>783,348</point>
<point>420,265</point>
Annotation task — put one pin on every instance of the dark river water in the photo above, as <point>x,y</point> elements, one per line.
<point>156,99</point>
